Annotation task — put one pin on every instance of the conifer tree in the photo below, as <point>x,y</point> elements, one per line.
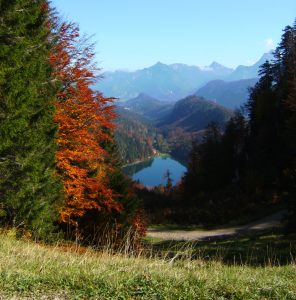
<point>265,122</point>
<point>286,60</point>
<point>29,189</point>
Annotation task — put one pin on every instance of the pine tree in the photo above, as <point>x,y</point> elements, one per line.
<point>265,123</point>
<point>286,54</point>
<point>169,180</point>
<point>203,173</point>
<point>286,61</point>
<point>233,152</point>
<point>29,189</point>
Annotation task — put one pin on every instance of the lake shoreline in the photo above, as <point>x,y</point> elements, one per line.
<point>152,172</point>
<point>146,159</point>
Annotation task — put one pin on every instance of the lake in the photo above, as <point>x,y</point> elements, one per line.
<point>152,172</point>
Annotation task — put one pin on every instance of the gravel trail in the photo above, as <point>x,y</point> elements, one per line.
<point>267,223</point>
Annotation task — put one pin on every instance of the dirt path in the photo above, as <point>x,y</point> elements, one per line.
<point>266,223</point>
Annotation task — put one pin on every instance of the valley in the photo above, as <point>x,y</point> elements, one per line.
<point>145,129</point>
<point>166,108</point>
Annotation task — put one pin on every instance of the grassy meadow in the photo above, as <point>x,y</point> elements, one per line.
<point>165,271</point>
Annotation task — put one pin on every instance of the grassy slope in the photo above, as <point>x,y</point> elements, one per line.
<point>35,271</point>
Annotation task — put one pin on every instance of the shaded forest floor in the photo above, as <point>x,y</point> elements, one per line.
<point>272,247</point>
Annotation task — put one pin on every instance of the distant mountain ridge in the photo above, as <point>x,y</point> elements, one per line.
<point>230,94</point>
<point>143,104</point>
<point>171,82</point>
<point>161,81</point>
<point>247,72</point>
<point>147,106</point>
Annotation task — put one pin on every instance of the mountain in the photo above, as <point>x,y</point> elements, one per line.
<point>246,72</point>
<point>171,82</point>
<point>143,104</point>
<point>160,81</point>
<point>148,106</point>
<point>230,94</point>
<point>194,113</point>
<point>219,69</point>
<point>140,134</point>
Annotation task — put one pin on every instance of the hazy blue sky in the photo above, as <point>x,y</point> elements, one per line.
<point>133,34</point>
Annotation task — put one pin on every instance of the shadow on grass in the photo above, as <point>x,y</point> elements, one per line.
<point>257,249</point>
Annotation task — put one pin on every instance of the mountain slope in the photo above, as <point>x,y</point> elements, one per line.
<point>136,137</point>
<point>133,135</point>
<point>147,106</point>
<point>229,94</point>
<point>195,113</point>
<point>142,102</point>
<point>246,72</point>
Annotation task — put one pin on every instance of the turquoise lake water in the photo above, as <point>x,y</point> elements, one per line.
<point>152,172</point>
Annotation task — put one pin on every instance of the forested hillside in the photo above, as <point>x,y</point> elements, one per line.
<point>136,137</point>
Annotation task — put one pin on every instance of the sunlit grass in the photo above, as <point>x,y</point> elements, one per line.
<point>71,272</point>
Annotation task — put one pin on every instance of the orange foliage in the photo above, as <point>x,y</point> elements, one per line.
<point>84,118</point>
<point>139,224</point>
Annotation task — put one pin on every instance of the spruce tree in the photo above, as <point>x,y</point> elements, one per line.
<point>286,58</point>
<point>265,122</point>
<point>29,189</point>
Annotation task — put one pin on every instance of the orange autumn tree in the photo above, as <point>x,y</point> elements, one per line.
<point>98,198</point>
<point>84,117</point>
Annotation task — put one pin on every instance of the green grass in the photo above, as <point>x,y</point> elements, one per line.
<point>33,271</point>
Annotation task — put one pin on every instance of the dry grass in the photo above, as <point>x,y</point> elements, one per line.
<point>34,271</point>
